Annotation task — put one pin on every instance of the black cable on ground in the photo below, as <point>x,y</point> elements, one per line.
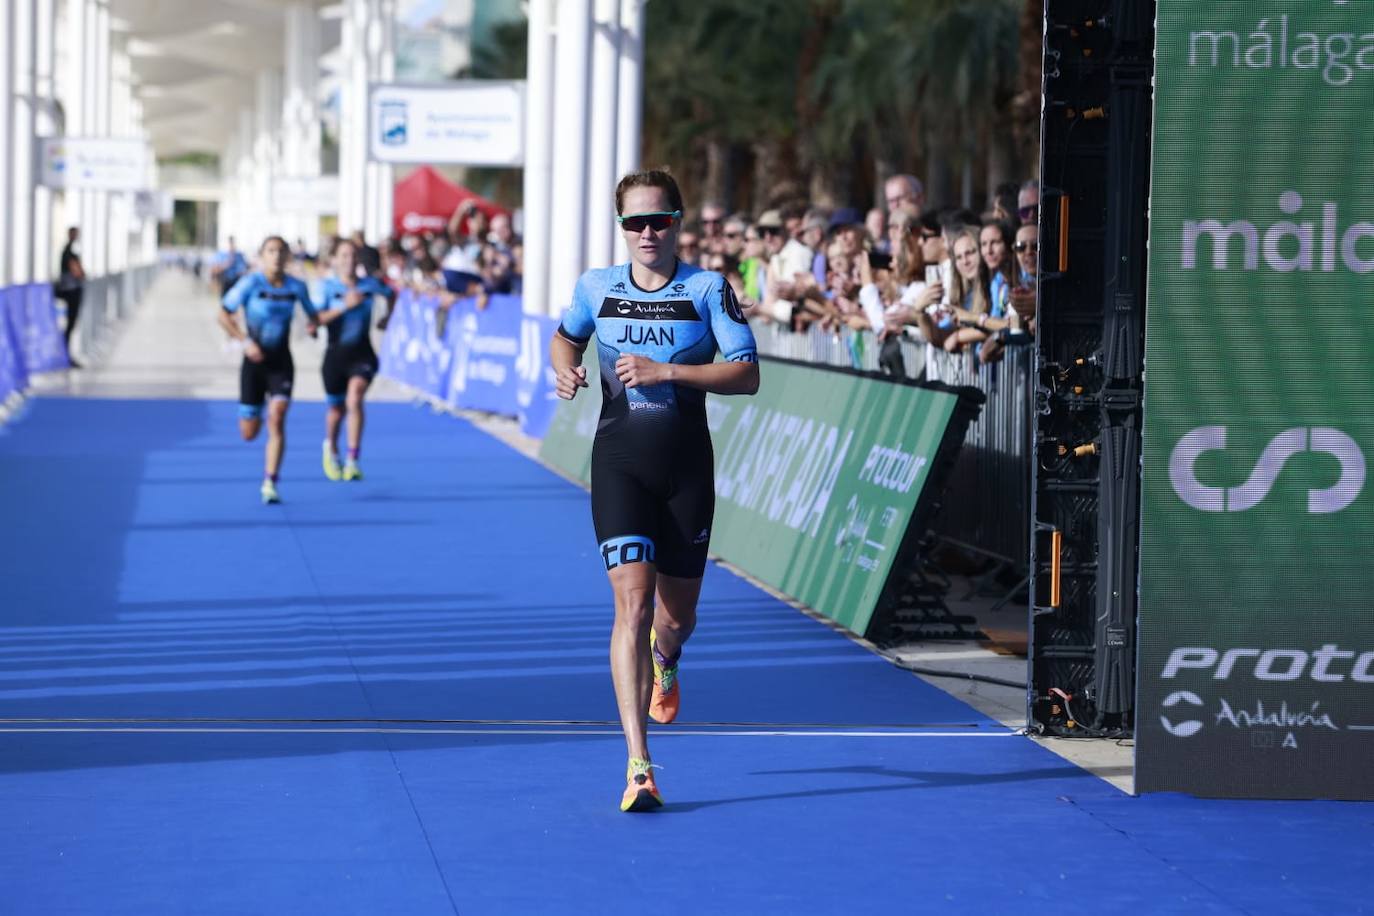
<point>961,675</point>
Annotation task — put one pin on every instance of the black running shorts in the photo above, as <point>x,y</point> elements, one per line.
<point>343,362</point>
<point>654,504</point>
<point>272,378</point>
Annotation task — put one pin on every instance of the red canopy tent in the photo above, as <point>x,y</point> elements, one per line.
<point>424,200</point>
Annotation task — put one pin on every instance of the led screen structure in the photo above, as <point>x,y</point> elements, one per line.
<point>1256,622</point>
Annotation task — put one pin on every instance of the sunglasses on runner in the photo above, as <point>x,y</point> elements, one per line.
<point>657,221</point>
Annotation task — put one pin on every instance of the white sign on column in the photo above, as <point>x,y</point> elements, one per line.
<point>469,122</point>
<point>94,163</point>
<point>313,195</point>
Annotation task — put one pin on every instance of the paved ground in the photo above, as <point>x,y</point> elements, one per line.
<point>173,348</point>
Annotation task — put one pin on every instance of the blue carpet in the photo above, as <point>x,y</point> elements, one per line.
<point>460,581</point>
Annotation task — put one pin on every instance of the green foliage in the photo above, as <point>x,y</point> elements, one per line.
<point>196,160</point>
<point>502,53</point>
<point>720,69</point>
<point>899,77</point>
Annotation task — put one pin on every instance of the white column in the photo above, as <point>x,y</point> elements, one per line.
<point>300,110</point>
<point>42,38</point>
<point>69,85</point>
<point>99,252</point>
<point>538,158</point>
<point>353,119</point>
<point>266,121</point>
<point>601,155</point>
<point>21,223</point>
<point>630,97</point>
<point>386,201</point>
<point>246,227</point>
<point>567,253</point>
<point>381,68</point>
<point>7,47</point>
<point>120,203</point>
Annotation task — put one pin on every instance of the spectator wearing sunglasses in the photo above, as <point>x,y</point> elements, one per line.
<point>712,227</point>
<point>793,297</point>
<point>732,238</point>
<point>689,245</point>
<point>773,237</point>
<point>659,323</point>
<point>1002,203</point>
<point>1022,296</point>
<point>933,248</point>
<point>1028,202</point>
<point>909,270</point>
<point>753,268</point>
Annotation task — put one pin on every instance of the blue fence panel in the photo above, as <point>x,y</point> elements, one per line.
<point>14,373</point>
<point>494,359</point>
<point>44,348</point>
<point>485,344</point>
<point>535,395</point>
<point>412,351</point>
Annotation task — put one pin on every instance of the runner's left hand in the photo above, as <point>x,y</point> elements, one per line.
<point>639,370</point>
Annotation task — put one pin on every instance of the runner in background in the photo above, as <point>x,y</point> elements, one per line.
<point>350,363</point>
<point>268,300</point>
<point>229,266</point>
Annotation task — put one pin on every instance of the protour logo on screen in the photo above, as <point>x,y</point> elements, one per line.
<point>1286,445</point>
<point>1306,244</point>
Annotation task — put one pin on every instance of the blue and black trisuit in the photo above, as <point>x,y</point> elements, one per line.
<point>234,265</point>
<point>350,352</point>
<point>653,476</point>
<point>268,310</point>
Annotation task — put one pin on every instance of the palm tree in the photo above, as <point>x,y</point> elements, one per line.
<point>913,84</point>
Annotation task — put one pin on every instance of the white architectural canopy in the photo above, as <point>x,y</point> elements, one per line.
<point>249,84</point>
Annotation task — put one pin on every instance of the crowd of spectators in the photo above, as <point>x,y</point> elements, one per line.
<point>949,277</point>
<point>475,256</point>
<point>955,279</point>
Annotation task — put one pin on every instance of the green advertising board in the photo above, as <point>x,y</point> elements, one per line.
<point>1256,626</point>
<point>817,477</point>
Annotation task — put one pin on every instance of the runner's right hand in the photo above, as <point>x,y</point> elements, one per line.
<point>252,351</point>
<point>569,380</point>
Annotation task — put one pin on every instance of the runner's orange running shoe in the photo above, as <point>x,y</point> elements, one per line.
<point>663,706</point>
<point>641,793</point>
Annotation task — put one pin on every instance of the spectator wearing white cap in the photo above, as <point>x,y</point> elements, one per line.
<point>791,295</point>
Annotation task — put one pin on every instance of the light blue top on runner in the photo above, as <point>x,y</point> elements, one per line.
<point>684,322</point>
<point>351,327</point>
<point>268,308</point>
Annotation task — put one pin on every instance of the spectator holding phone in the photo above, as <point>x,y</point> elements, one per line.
<point>884,307</point>
<point>968,301</point>
<point>1022,296</point>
